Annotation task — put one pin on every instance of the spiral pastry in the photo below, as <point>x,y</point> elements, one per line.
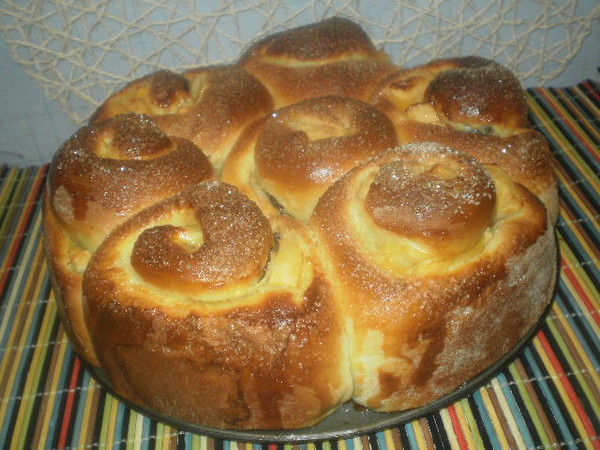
<point>525,155</point>
<point>202,290</point>
<point>430,250</point>
<point>102,175</point>
<point>287,160</point>
<point>331,57</point>
<point>209,106</point>
<point>474,105</point>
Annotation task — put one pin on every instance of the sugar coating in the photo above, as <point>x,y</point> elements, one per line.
<point>334,36</point>
<point>432,191</point>
<point>480,96</point>
<point>303,148</point>
<point>237,240</point>
<point>167,87</point>
<point>208,106</point>
<point>109,171</point>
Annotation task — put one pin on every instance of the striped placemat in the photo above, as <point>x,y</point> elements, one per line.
<point>548,397</point>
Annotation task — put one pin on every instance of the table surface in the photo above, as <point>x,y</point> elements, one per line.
<point>549,396</point>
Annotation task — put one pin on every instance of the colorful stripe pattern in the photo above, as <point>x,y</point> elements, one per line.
<point>548,397</point>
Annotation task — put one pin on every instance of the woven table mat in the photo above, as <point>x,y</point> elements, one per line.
<point>548,397</point>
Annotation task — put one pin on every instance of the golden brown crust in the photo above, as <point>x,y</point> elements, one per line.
<point>98,178</point>
<point>330,39</point>
<point>406,87</point>
<point>246,307</point>
<point>234,245</point>
<point>480,97</point>
<point>66,264</point>
<point>331,57</point>
<point>269,351</point>
<point>421,321</point>
<point>525,156</point>
<point>294,154</point>
<point>209,106</point>
<point>442,199</point>
<point>474,105</point>
<point>110,170</point>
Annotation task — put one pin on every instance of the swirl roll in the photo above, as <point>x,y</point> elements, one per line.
<point>428,302</point>
<point>331,57</point>
<point>209,106</point>
<point>98,178</point>
<point>525,155</point>
<point>474,105</point>
<point>252,340</point>
<point>470,93</point>
<point>442,200</point>
<point>287,160</point>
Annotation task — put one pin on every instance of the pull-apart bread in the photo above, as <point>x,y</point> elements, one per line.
<point>249,246</point>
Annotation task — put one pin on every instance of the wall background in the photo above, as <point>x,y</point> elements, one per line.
<point>39,112</point>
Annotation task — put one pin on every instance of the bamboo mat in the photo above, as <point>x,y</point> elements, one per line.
<point>548,397</point>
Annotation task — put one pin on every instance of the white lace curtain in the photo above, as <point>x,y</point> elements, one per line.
<point>79,51</point>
